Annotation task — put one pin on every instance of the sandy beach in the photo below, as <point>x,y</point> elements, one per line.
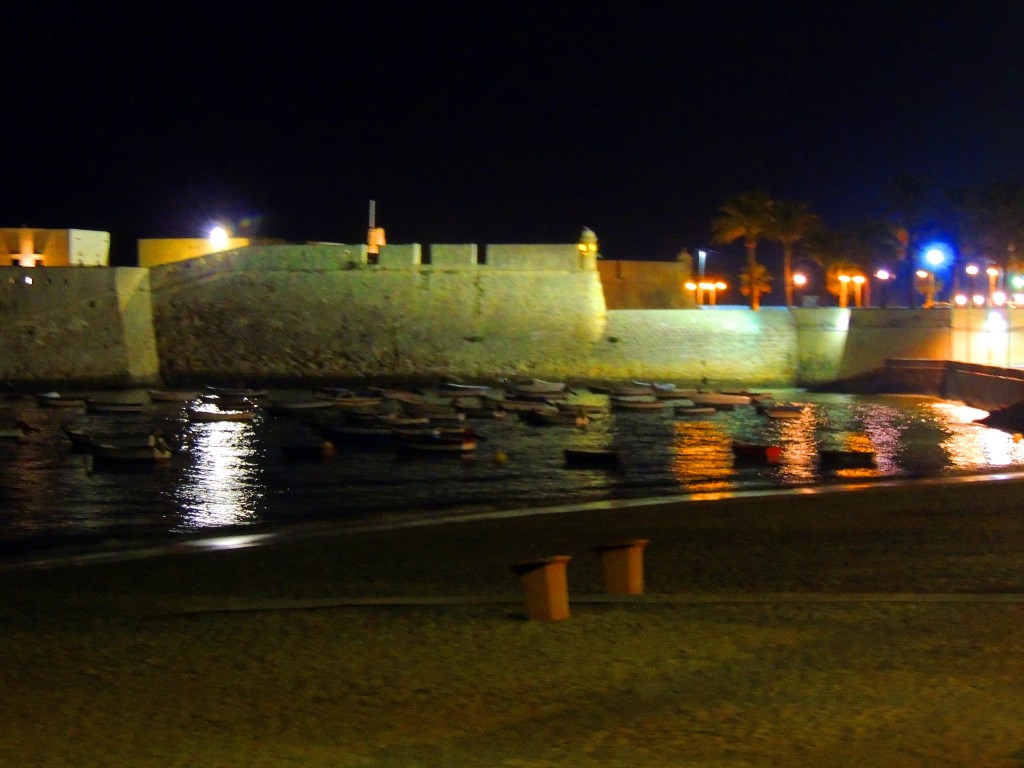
<point>877,627</point>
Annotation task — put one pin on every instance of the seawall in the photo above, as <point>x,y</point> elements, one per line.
<point>303,314</point>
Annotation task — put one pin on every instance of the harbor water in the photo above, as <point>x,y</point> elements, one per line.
<point>230,474</point>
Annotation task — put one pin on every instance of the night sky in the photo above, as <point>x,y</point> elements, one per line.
<point>498,122</point>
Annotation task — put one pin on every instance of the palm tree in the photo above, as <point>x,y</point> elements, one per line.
<point>994,223</point>
<point>792,222</point>
<point>747,217</point>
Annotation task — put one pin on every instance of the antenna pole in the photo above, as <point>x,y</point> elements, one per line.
<point>373,213</point>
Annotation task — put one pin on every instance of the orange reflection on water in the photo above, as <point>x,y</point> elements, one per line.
<point>799,451</point>
<point>701,455</point>
<point>222,486</point>
<point>971,445</point>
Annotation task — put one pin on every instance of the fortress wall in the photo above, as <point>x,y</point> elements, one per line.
<point>728,346</point>
<point>84,325</point>
<point>294,313</point>
<point>839,343</point>
<point>303,315</point>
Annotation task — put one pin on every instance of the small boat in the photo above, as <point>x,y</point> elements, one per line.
<point>781,410</point>
<point>17,431</point>
<point>106,453</point>
<point>532,386</point>
<point>438,441</point>
<point>636,403</point>
<point>512,405</point>
<point>238,392</point>
<point>113,406</point>
<point>694,410</point>
<point>297,406</point>
<point>719,399</point>
<point>590,409</point>
<point>452,389</point>
<point>637,389</point>
<point>581,458</point>
<point>428,408</point>
<point>57,400</point>
<point>543,417</point>
<point>172,395</point>
<point>216,414</point>
<point>84,439</point>
<point>846,459</point>
<point>664,390</point>
<point>756,452</point>
<point>351,436</point>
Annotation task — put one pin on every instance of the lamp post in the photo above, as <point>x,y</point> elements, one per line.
<point>713,288</point>
<point>587,243</point>
<point>883,276</point>
<point>929,287</point>
<point>799,281</point>
<point>858,284</point>
<point>993,275</point>
<point>697,289</point>
<point>701,258</point>
<point>844,282</point>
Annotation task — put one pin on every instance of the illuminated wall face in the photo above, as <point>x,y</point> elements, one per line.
<point>30,247</point>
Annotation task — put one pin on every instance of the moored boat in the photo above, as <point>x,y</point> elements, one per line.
<point>846,459</point>
<point>718,399</point>
<point>636,403</point>
<point>84,439</point>
<point>437,441</point>
<point>203,415</point>
<point>19,430</point>
<point>110,453</point>
<point>113,406</point>
<point>781,410</point>
<point>756,452</point>
<point>583,458</point>
<point>58,400</point>
<point>453,389</point>
<point>172,395</point>
<point>532,386</point>
<point>687,411</point>
<point>554,417</point>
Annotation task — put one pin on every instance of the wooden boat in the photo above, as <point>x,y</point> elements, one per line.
<point>694,410</point>
<point>83,439</point>
<point>452,389</point>
<point>532,386</point>
<point>554,417</point>
<point>514,405</point>
<point>204,415</point>
<point>636,403</point>
<point>57,400</point>
<point>581,458</point>
<point>428,408</point>
<point>172,395</point>
<point>718,399</point>
<point>437,441</point>
<point>590,409</point>
<point>18,431</point>
<point>347,436</point>
<point>247,392</point>
<point>109,453</point>
<point>637,389</point>
<point>297,406</point>
<point>846,459</point>
<point>756,452</point>
<point>781,410</point>
<point>113,406</point>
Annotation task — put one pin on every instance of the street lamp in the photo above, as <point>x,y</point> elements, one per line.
<point>929,286</point>
<point>701,258</point>
<point>993,274</point>
<point>844,282</point>
<point>884,276</point>
<point>858,283</point>
<point>697,289</point>
<point>713,288</point>
<point>799,280</point>
<point>587,243</point>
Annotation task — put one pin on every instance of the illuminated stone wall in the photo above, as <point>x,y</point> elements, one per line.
<point>77,324</point>
<point>295,313</point>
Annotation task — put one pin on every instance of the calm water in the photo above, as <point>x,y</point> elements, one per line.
<point>234,473</point>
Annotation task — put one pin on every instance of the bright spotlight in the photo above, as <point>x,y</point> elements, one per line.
<point>219,238</point>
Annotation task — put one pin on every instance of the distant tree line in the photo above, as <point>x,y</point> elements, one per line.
<point>983,225</point>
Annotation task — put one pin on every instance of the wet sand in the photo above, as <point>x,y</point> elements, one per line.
<point>873,628</point>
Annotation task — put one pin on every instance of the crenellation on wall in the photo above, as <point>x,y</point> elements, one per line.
<point>400,256</point>
<point>453,255</point>
<point>557,256</point>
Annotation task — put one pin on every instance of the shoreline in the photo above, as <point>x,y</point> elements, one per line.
<point>870,628</point>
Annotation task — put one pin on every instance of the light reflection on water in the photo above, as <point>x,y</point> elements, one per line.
<point>222,484</point>
<point>234,473</point>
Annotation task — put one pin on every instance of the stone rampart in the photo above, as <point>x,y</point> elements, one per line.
<point>307,313</point>
<point>88,325</point>
<point>296,314</point>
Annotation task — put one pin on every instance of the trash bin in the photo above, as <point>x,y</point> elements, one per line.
<point>545,587</point>
<point>622,563</point>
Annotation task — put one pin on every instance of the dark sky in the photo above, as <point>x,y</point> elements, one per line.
<point>497,122</point>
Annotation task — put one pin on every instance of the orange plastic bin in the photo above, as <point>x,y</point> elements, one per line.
<point>622,564</point>
<point>545,587</point>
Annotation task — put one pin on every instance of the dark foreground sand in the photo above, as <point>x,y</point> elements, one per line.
<point>877,628</point>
